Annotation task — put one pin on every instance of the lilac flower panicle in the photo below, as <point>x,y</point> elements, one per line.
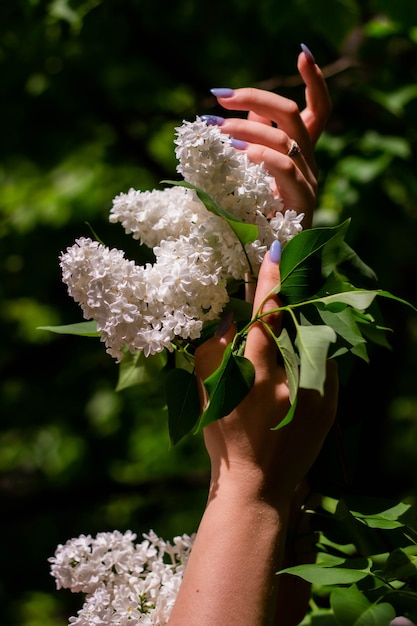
<point>125,582</point>
<point>147,308</point>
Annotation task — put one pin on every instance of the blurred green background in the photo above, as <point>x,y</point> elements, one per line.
<point>91,91</point>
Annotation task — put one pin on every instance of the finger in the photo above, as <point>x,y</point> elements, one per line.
<point>270,106</point>
<point>296,191</point>
<point>254,117</point>
<point>318,102</point>
<point>260,346</point>
<point>260,133</point>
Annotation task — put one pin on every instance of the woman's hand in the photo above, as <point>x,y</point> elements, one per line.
<point>243,448</point>
<point>273,124</point>
<point>231,575</point>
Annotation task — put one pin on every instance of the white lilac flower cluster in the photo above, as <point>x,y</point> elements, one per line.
<point>125,583</point>
<point>196,252</point>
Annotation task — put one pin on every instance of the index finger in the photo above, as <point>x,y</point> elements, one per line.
<point>265,105</point>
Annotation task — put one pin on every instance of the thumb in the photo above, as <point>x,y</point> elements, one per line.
<point>260,345</point>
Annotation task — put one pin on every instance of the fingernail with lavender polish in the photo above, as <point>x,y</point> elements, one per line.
<point>222,92</point>
<point>275,251</point>
<point>212,120</point>
<point>309,56</point>
<point>238,144</point>
<point>224,325</point>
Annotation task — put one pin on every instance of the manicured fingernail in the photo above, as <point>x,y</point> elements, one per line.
<point>308,54</point>
<point>224,325</point>
<point>212,120</point>
<point>275,251</point>
<point>238,144</point>
<point>222,92</point>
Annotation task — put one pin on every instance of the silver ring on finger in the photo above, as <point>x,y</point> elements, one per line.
<point>294,149</point>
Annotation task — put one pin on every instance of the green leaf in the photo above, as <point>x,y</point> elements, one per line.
<point>381,513</point>
<point>246,233</point>
<point>401,564</point>
<point>84,329</point>
<point>183,403</point>
<point>227,386</point>
<point>344,324</point>
<point>289,416</point>
<point>359,298</point>
<point>313,347</point>
<point>352,608</point>
<point>348,605</point>
<point>301,265</point>
<point>291,362</point>
<point>336,571</point>
<point>349,259</point>
<point>136,369</point>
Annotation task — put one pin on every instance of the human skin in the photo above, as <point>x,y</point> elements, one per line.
<point>271,125</point>
<point>230,578</point>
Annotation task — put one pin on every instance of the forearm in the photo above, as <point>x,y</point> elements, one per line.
<point>231,575</point>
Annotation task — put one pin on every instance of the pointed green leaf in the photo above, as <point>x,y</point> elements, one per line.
<point>348,605</point>
<point>359,298</point>
<point>336,572</point>
<point>301,263</point>
<point>382,513</point>
<point>84,329</point>
<point>344,324</point>
<point>227,386</point>
<point>289,416</point>
<point>351,608</point>
<point>307,243</point>
<point>291,362</point>
<point>136,369</point>
<point>313,347</point>
<point>183,403</point>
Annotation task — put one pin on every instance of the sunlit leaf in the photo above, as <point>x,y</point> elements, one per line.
<point>313,347</point>
<point>84,329</point>
<point>381,512</point>
<point>360,299</point>
<point>291,362</point>
<point>351,608</point>
<point>344,324</point>
<point>336,572</point>
<point>136,369</point>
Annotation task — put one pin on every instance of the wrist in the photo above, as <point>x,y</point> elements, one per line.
<point>247,485</point>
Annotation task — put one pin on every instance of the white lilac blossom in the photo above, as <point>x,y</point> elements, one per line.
<point>197,254</point>
<point>124,582</point>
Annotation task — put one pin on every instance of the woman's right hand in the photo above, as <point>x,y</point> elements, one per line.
<point>273,124</point>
